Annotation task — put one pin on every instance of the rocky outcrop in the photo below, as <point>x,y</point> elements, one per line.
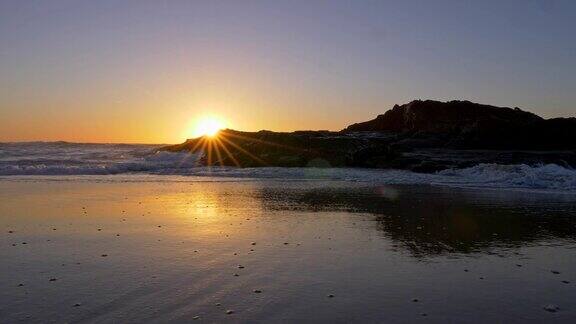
<point>296,149</point>
<point>456,124</point>
<point>445,117</point>
<point>421,136</point>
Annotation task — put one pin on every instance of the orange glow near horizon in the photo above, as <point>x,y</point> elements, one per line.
<point>207,126</point>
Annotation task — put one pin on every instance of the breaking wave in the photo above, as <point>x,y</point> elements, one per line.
<point>60,158</point>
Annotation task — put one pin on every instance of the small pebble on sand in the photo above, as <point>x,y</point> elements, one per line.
<point>565,281</point>
<point>330,296</point>
<point>240,267</point>
<point>555,272</point>
<point>415,300</point>
<point>196,317</point>
<point>104,255</point>
<point>253,243</point>
<point>77,305</point>
<point>229,312</point>
<point>257,291</point>
<point>52,279</point>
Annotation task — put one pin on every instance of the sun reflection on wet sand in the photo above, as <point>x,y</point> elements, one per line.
<point>278,251</point>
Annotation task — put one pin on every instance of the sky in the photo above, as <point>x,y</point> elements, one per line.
<point>145,71</point>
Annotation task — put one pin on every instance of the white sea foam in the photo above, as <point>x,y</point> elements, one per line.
<point>50,159</point>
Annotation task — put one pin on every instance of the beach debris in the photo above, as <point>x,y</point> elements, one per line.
<point>551,308</point>
<point>229,312</point>
<point>196,317</point>
<point>218,304</point>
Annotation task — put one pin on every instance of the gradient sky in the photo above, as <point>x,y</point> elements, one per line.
<point>142,71</point>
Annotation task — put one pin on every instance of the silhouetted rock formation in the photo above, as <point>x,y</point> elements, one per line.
<point>266,148</point>
<point>456,124</point>
<point>423,136</point>
<point>445,117</point>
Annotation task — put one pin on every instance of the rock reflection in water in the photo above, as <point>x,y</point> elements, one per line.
<point>429,221</point>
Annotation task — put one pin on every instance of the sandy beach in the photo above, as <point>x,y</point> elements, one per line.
<point>95,250</point>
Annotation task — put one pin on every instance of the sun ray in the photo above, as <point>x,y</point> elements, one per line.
<point>215,145</point>
<point>244,151</point>
<point>263,142</point>
<point>226,151</point>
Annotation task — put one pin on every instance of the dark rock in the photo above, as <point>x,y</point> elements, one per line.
<point>422,136</point>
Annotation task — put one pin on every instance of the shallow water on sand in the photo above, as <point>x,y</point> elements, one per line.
<point>273,251</point>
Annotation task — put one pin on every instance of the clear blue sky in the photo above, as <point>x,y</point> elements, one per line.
<point>141,71</point>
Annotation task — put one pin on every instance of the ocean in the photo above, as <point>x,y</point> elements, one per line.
<point>144,162</point>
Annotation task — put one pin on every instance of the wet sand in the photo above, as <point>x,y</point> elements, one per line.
<point>273,251</point>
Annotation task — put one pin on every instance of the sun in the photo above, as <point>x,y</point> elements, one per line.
<point>207,126</point>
